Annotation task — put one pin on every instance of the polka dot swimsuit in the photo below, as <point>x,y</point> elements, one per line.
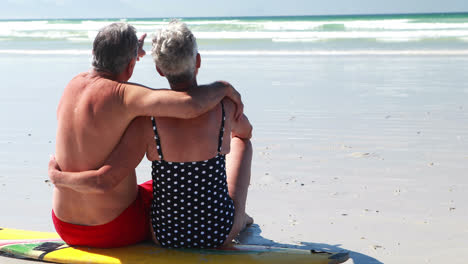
<point>191,205</point>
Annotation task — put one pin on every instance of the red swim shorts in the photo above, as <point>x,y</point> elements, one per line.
<point>130,227</point>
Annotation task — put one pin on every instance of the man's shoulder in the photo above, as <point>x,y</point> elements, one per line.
<point>81,79</point>
<point>81,75</point>
<point>134,85</point>
<point>94,88</point>
<point>128,88</point>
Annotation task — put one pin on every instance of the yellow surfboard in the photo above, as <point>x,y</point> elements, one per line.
<point>48,247</point>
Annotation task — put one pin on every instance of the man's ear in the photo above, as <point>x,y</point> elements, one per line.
<point>198,63</point>
<point>159,71</point>
<point>130,68</point>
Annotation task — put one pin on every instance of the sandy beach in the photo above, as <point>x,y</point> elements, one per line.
<point>366,154</point>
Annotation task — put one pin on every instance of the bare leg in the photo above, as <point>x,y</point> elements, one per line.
<point>238,169</point>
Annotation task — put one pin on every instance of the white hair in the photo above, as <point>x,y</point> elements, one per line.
<point>174,51</point>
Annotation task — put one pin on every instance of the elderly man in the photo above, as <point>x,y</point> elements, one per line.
<point>95,110</point>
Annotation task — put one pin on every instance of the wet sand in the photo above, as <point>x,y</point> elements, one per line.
<point>358,153</point>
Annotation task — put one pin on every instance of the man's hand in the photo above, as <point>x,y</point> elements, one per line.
<point>141,42</point>
<point>54,170</point>
<point>236,98</point>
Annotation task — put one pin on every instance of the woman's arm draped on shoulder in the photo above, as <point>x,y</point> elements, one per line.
<point>120,164</point>
<point>143,101</point>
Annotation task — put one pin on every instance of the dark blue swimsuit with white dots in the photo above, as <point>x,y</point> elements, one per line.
<point>191,205</point>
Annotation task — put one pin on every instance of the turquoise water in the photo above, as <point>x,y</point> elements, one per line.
<point>423,33</point>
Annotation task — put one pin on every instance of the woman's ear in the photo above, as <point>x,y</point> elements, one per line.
<point>130,68</point>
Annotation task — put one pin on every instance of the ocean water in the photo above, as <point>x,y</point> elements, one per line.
<point>304,35</point>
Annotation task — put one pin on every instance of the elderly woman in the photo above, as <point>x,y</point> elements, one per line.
<point>192,206</point>
<point>198,199</point>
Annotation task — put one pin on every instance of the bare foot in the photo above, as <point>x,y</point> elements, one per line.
<point>248,220</point>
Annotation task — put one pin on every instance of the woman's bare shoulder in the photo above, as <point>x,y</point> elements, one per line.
<point>229,108</point>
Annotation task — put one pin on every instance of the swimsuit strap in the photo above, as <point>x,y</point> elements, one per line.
<point>221,131</point>
<point>156,138</point>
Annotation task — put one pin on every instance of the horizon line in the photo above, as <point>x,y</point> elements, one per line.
<point>265,16</point>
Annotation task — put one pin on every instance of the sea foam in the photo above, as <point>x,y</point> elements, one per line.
<point>283,33</point>
<point>263,52</point>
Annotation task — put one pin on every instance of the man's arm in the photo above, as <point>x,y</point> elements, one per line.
<point>240,127</point>
<point>121,163</point>
<point>168,103</point>
<point>143,101</point>
<point>141,51</point>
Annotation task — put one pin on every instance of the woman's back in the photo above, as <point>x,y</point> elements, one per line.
<point>191,205</point>
<point>184,140</point>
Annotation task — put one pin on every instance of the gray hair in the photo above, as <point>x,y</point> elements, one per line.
<point>114,47</point>
<point>174,51</point>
